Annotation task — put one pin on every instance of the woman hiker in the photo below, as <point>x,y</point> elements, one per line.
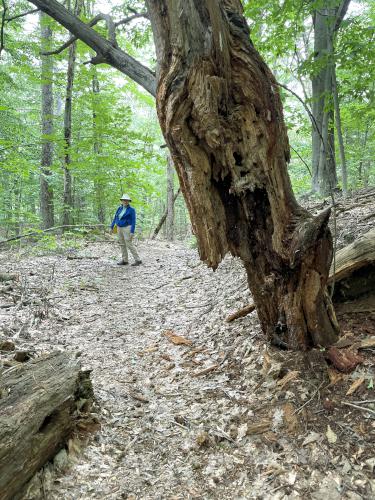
<point>124,220</point>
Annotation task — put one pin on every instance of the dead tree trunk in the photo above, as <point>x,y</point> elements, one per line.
<point>38,406</point>
<point>221,115</point>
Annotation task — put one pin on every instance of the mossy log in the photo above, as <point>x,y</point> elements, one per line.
<point>354,273</point>
<point>38,409</point>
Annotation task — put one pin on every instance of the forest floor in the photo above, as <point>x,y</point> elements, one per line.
<point>191,406</point>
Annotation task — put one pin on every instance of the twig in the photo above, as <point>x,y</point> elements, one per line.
<point>359,407</point>
<point>302,160</point>
<point>138,397</point>
<point>364,401</point>
<point>206,370</point>
<point>309,400</point>
<point>241,313</point>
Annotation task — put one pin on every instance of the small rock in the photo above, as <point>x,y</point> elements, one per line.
<point>61,460</point>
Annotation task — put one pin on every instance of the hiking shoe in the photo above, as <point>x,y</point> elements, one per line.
<point>122,263</point>
<point>137,263</point>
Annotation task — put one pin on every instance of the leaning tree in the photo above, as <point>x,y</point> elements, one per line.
<point>221,116</point>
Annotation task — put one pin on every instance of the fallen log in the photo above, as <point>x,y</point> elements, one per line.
<point>354,272</point>
<point>39,403</point>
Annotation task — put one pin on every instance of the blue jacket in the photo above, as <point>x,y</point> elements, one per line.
<point>128,219</point>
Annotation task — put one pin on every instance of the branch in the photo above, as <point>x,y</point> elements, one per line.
<point>5,8</point>
<point>8,19</point>
<point>42,231</point>
<point>341,14</point>
<point>130,18</point>
<point>302,160</point>
<point>93,22</point>
<point>108,53</point>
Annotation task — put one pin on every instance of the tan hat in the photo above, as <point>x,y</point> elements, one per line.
<point>125,197</point>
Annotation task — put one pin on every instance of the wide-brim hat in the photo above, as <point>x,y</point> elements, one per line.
<point>125,197</point>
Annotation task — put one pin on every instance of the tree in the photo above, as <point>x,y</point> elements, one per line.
<point>46,189</point>
<point>221,116</point>
<point>327,18</point>
<point>68,192</point>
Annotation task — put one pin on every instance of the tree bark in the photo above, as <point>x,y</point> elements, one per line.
<point>170,199</point>
<point>38,407</point>
<point>221,116</point>
<point>46,189</point>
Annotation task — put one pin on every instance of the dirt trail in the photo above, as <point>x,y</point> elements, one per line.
<point>212,418</point>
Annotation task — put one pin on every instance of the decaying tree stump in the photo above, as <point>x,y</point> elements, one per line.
<point>354,273</point>
<point>38,409</point>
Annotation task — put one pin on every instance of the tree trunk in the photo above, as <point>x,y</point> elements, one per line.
<point>38,413</point>
<point>68,192</point>
<point>344,170</point>
<point>170,199</point>
<point>327,21</point>
<point>323,144</point>
<point>221,116</point>
<point>98,183</point>
<point>46,189</point>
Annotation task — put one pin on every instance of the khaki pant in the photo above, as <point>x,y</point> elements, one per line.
<point>125,242</point>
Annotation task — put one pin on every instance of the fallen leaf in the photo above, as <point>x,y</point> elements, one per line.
<point>242,431</point>
<point>355,385</point>
<point>331,436</point>
<point>290,417</point>
<point>176,339</point>
<point>311,438</point>
<point>334,376</point>
<point>288,378</point>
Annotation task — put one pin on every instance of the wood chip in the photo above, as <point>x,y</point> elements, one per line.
<point>176,339</point>
<point>259,427</point>
<point>357,383</point>
<point>367,343</point>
